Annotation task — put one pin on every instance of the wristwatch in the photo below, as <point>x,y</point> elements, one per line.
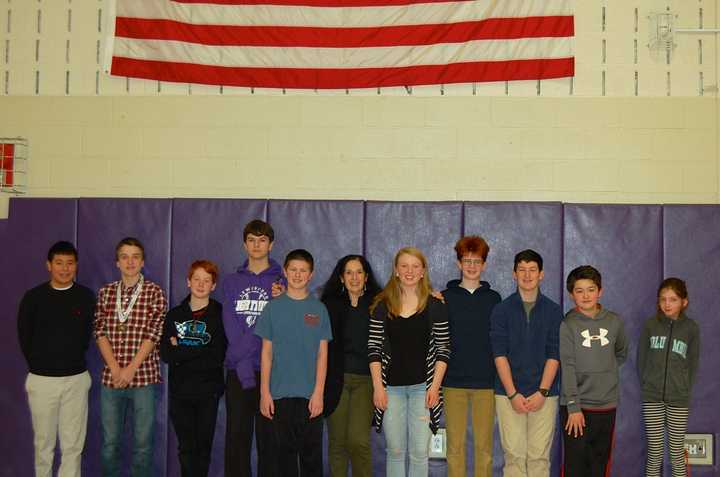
<point>544,392</point>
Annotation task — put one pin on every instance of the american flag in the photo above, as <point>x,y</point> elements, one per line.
<point>342,44</point>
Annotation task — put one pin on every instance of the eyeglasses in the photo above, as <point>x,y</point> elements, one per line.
<point>472,261</point>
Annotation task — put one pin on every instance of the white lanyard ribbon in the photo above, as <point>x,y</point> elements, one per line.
<point>123,315</point>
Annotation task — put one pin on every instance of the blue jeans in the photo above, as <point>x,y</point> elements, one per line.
<point>114,404</point>
<point>406,415</point>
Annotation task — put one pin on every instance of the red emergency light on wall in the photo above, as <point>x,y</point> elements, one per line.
<point>13,165</point>
<point>7,156</point>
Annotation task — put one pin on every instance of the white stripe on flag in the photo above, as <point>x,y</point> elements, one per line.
<point>379,57</point>
<point>280,15</point>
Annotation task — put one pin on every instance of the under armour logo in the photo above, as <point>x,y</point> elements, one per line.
<point>587,342</point>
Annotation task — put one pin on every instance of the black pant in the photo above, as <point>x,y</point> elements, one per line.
<point>589,455</point>
<point>296,435</point>
<point>243,414</point>
<point>194,422</point>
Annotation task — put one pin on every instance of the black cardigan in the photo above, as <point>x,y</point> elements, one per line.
<point>338,307</point>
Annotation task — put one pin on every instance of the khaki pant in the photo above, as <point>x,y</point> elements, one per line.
<point>59,408</point>
<point>526,438</point>
<point>349,428</point>
<point>481,403</point>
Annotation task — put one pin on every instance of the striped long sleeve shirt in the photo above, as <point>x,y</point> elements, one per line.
<point>379,350</point>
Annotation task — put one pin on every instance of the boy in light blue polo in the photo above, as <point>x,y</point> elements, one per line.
<point>295,329</point>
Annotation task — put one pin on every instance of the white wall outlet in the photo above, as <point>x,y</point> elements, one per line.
<point>699,448</point>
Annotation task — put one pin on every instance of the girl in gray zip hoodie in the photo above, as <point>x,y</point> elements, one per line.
<point>668,360</point>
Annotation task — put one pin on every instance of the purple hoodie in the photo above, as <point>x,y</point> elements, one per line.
<point>244,295</point>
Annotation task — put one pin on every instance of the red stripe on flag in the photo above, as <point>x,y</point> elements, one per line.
<point>314,78</point>
<point>319,3</point>
<point>7,154</point>
<point>283,36</point>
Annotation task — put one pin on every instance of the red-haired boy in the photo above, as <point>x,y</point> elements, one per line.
<point>194,345</point>
<point>470,379</point>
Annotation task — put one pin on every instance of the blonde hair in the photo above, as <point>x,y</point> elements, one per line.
<point>391,294</point>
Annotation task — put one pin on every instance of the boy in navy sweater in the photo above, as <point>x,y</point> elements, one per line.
<point>470,378</point>
<point>524,335</point>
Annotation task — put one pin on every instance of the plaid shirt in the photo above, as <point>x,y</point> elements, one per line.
<point>144,323</point>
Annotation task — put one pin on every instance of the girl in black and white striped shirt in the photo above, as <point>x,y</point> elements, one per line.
<point>408,349</point>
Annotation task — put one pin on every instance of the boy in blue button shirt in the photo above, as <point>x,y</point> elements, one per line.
<point>295,329</point>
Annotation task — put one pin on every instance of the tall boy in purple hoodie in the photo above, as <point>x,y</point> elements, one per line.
<point>244,294</point>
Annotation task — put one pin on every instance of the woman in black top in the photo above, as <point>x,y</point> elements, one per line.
<point>348,388</point>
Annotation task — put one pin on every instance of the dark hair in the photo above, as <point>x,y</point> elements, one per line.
<point>472,244</point>
<point>62,247</point>
<point>206,265</point>
<point>333,286</point>
<point>300,254</point>
<point>131,241</point>
<point>674,284</point>
<point>528,255</point>
<point>259,228</point>
<point>583,272</point>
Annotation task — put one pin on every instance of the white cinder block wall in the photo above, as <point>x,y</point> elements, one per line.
<point>468,148</point>
<point>571,143</point>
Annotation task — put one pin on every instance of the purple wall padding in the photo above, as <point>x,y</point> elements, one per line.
<point>328,230</point>
<point>433,227</point>
<point>511,227</point>
<point>101,224</point>
<point>692,253</point>
<point>207,229</point>
<point>211,229</point>
<point>624,242</point>
<point>32,227</point>
<point>633,247</point>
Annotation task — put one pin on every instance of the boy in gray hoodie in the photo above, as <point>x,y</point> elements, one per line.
<point>593,345</point>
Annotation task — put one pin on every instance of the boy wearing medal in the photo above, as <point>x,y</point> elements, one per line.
<point>128,324</point>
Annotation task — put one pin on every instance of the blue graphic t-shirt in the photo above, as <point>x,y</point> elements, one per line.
<point>295,328</point>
